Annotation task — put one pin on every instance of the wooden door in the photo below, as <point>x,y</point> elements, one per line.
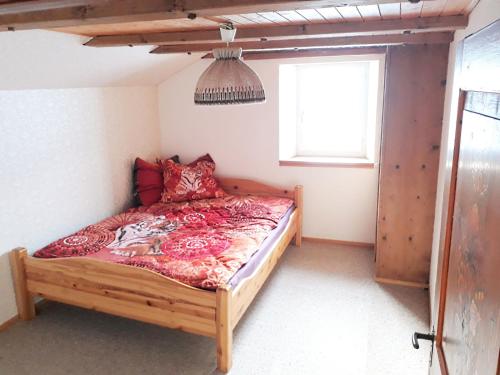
<point>468,336</point>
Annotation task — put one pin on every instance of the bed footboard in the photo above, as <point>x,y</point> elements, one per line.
<point>121,290</point>
<point>24,299</point>
<point>224,337</point>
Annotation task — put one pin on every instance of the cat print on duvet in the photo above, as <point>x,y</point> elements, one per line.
<point>141,238</point>
<point>190,181</point>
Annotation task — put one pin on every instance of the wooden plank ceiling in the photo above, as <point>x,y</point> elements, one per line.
<point>180,26</point>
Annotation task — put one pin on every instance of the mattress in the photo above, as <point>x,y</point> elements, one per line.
<point>201,243</point>
<point>259,256</point>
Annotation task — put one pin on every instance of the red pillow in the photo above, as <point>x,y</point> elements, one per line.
<point>190,182</point>
<point>148,180</point>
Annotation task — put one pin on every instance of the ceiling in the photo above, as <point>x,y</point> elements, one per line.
<point>186,26</point>
<point>338,14</point>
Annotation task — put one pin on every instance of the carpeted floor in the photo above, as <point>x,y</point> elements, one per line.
<point>319,313</point>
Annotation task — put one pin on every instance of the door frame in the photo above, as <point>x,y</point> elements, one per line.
<point>449,226</point>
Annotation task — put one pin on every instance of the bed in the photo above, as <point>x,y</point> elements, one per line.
<point>142,294</point>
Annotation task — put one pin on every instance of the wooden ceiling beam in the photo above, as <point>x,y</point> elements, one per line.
<point>286,31</point>
<point>38,5</point>
<point>92,12</point>
<point>315,52</point>
<point>358,40</point>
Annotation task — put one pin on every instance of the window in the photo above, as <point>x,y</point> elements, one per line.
<point>330,111</point>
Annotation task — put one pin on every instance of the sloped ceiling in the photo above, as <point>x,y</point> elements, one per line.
<point>40,59</point>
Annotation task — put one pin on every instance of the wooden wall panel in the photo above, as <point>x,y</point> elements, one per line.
<point>413,110</point>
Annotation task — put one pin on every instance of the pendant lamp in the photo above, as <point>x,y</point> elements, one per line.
<point>228,80</point>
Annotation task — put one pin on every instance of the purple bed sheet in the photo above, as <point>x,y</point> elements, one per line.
<point>258,257</point>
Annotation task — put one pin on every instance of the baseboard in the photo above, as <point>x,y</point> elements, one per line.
<point>339,242</point>
<point>412,284</point>
<point>9,323</point>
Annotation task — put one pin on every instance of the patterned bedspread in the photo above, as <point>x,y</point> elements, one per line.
<point>200,243</point>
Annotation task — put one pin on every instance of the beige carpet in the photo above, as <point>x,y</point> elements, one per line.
<point>319,313</point>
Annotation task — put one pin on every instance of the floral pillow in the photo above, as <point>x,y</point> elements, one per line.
<point>189,182</point>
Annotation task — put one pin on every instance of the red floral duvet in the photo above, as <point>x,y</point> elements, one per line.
<point>200,243</point>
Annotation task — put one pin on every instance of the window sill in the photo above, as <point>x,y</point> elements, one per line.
<point>310,161</point>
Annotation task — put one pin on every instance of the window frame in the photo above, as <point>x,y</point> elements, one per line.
<point>289,154</point>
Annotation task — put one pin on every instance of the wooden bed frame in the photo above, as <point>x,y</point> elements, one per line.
<point>140,294</point>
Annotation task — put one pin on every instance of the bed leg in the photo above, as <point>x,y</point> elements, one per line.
<point>25,304</point>
<point>299,203</point>
<point>224,336</point>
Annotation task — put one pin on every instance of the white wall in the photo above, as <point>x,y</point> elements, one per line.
<point>41,59</point>
<point>66,162</point>
<point>486,12</point>
<point>339,203</point>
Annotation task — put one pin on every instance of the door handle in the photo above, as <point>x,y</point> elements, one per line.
<point>424,336</point>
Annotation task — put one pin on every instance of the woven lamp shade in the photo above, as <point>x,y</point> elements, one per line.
<point>228,80</point>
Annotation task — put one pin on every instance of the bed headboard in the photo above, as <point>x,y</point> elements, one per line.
<point>240,186</point>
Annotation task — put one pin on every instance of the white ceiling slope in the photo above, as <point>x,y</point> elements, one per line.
<point>40,59</point>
